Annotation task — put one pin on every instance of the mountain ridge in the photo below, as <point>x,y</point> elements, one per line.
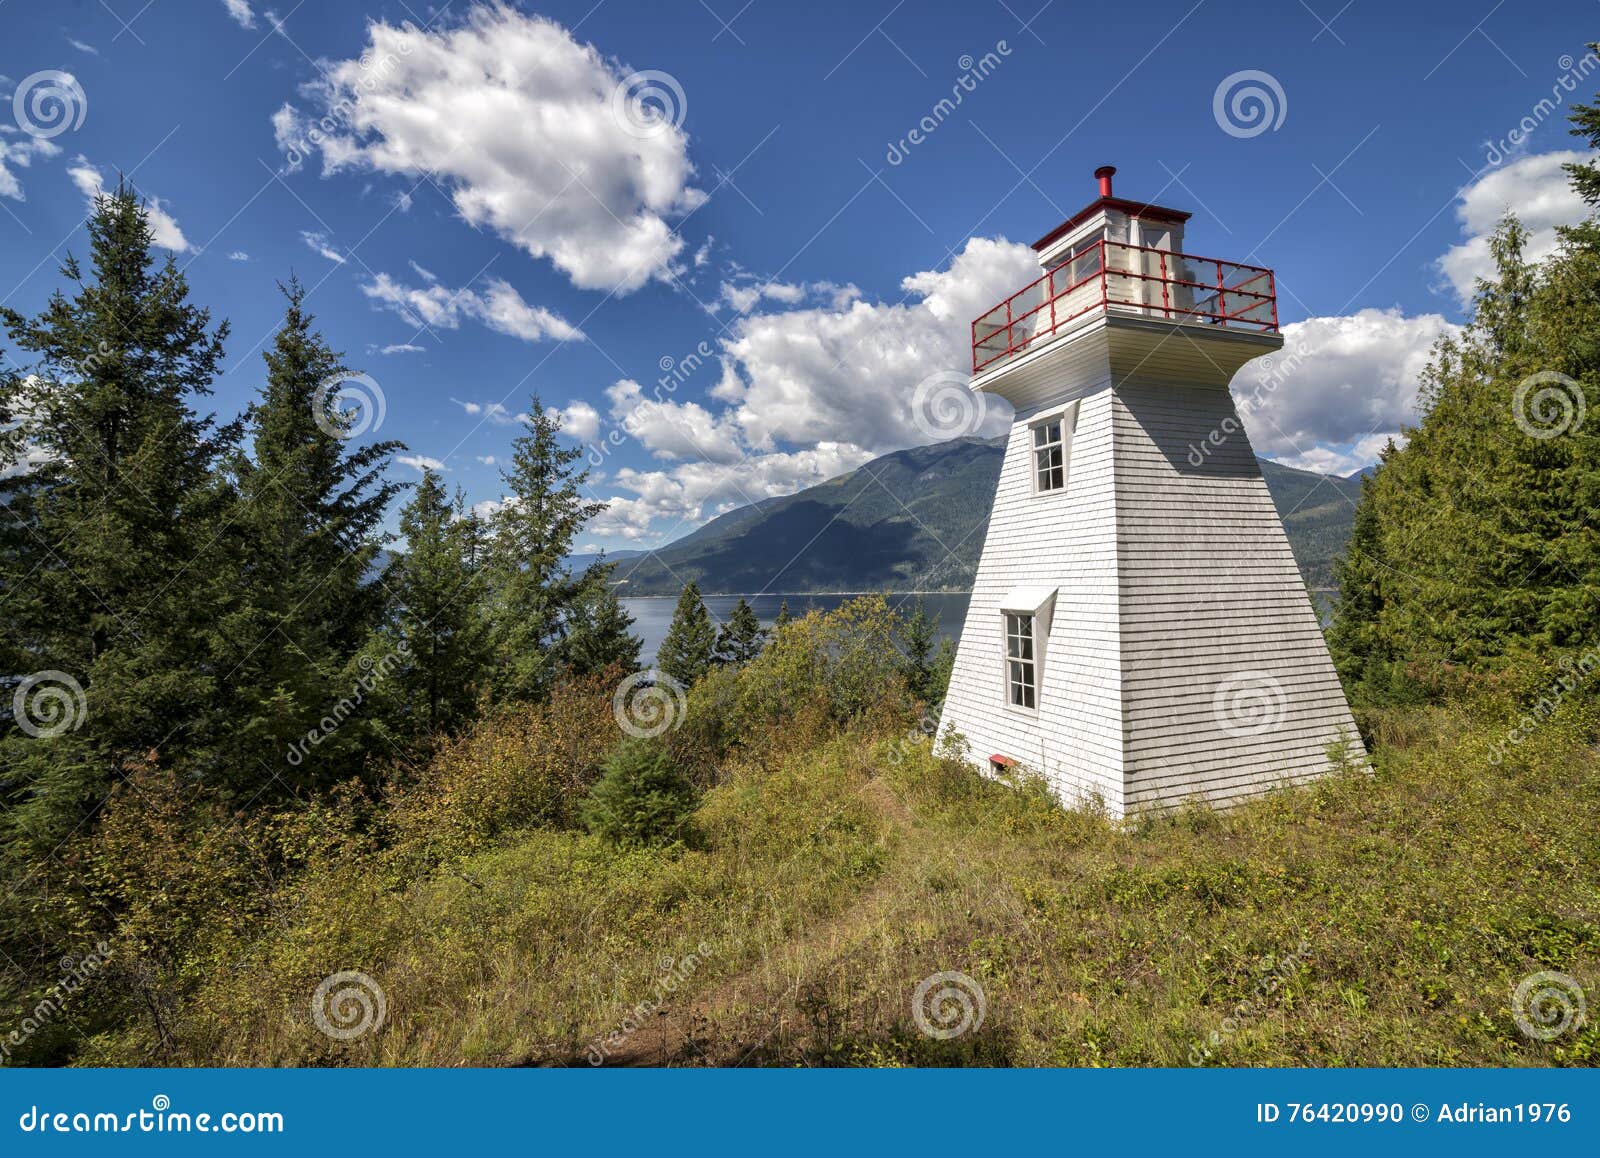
<point>915,520</point>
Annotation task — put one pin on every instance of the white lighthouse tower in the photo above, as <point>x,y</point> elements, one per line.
<point>1138,630</point>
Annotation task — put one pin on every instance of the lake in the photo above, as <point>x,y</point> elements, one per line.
<point>653,614</point>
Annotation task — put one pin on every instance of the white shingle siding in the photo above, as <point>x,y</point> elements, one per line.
<point>1173,578</point>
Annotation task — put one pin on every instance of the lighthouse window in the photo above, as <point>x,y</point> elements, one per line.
<point>1049,457</point>
<point>1021,683</point>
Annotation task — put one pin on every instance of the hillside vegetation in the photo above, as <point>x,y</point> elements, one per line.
<point>832,862</point>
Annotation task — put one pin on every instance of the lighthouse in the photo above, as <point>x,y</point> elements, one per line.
<point>1138,631</point>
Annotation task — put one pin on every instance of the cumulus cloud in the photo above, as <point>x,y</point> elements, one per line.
<point>1343,381</point>
<point>238,255</point>
<point>498,305</point>
<point>19,152</point>
<point>1537,189</point>
<point>400,348</point>
<point>521,123</point>
<point>162,224</point>
<point>240,11</point>
<point>580,421</point>
<point>495,412</point>
<point>849,374</point>
<point>419,462</point>
<point>687,495</point>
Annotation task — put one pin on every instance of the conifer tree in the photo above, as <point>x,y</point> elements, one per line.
<point>438,622</point>
<point>306,536</point>
<point>784,618</point>
<point>742,637</point>
<point>689,647</point>
<point>917,635</point>
<point>535,591</point>
<point>599,629</point>
<point>113,503</point>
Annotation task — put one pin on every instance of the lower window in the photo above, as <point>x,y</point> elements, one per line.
<point>1021,666</point>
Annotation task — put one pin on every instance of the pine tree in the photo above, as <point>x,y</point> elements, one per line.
<point>305,536</point>
<point>742,637</point>
<point>1585,120</point>
<point>784,618</point>
<point>437,624</point>
<point>113,505</point>
<point>599,631</point>
<point>689,647</point>
<point>535,591</point>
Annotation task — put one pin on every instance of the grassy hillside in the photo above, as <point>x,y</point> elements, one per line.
<point>916,520</point>
<point>834,862</point>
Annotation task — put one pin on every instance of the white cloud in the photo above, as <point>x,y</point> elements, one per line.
<point>487,459</point>
<point>744,293</point>
<point>401,348</point>
<point>495,412</point>
<point>318,244</point>
<point>1343,460</point>
<point>687,495</point>
<point>419,462</point>
<point>1535,188</point>
<point>238,255</point>
<point>162,224</point>
<point>580,421</point>
<point>674,430</point>
<point>1337,380</point>
<point>20,152</point>
<point>498,306</point>
<point>849,374</point>
<point>240,11</point>
<point>515,118</point>
<point>81,46</point>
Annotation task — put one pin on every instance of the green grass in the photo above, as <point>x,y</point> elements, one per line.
<point>1365,920</point>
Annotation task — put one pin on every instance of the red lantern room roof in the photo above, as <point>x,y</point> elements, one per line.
<point>1107,201</point>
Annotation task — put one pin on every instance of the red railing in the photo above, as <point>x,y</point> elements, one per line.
<point>1130,279</point>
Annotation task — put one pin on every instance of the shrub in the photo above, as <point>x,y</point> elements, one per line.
<point>642,796</point>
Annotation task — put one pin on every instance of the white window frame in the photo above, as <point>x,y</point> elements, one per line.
<point>1065,421</point>
<point>1015,664</point>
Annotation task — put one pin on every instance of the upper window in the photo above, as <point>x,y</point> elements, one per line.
<point>1049,457</point>
<point>1021,666</point>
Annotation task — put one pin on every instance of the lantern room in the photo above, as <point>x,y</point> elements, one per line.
<point>1122,257</point>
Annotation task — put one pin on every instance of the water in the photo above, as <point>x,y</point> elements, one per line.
<point>653,614</point>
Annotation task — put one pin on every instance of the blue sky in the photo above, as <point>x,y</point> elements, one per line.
<point>481,217</point>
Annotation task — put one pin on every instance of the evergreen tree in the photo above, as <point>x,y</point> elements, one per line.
<point>438,623</point>
<point>917,635</point>
<point>113,504</point>
<point>1474,542</point>
<point>944,661</point>
<point>784,618</point>
<point>306,536</point>
<point>642,796</point>
<point>742,637</point>
<point>535,591</point>
<point>689,647</point>
<point>1585,120</point>
<point>599,629</point>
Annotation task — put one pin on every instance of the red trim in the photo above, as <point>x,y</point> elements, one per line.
<point>999,339</point>
<point>1132,208</point>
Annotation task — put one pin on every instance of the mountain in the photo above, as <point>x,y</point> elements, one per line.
<point>915,520</point>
